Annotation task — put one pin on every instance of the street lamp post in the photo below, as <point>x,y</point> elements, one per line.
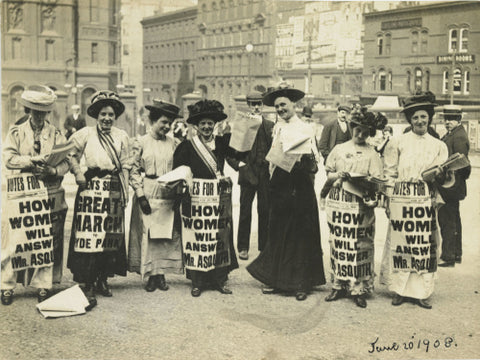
<point>249,49</point>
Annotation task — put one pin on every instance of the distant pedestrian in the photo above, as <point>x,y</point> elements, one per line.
<point>74,121</point>
<point>335,132</point>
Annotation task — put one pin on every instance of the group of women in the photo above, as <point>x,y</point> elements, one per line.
<point>104,150</point>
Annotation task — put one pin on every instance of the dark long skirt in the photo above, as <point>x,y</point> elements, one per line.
<point>292,259</point>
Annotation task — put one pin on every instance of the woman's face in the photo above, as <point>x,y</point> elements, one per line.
<point>419,122</point>
<point>360,134</point>
<point>105,118</point>
<point>162,126</point>
<point>205,128</point>
<point>39,116</point>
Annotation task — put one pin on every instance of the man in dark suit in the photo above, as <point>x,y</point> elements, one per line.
<point>253,177</point>
<point>74,122</point>
<point>449,214</point>
<point>335,132</point>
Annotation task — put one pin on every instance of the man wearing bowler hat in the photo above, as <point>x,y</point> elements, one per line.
<point>449,214</point>
<point>335,132</point>
<point>74,121</point>
<point>253,177</point>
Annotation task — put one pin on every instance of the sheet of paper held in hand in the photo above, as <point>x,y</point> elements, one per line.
<point>244,131</point>
<point>279,158</point>
<point>59,153</point>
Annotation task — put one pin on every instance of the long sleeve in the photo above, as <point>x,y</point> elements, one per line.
<point>63,167</point>
<point>181,155</point>
<point>125,159</point>
<point>390,157</point>
<point>79,142</point>
<point>11,156</point>
<point>136,179</point>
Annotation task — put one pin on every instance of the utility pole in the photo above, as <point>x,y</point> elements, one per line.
<point>452,71</point>
<point>344,77</point>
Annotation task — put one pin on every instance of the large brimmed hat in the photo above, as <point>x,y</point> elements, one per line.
<point>205,109</point>
<point>38,97</point>
<point>104,98</point>
<point>283,90</point>
<point>165,108</point>
<point>419,101</point>
<point>452,112</point>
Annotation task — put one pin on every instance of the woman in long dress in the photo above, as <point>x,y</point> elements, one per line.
<point>405,158</point>
<point>97,250</point>
<point>25,150</point>
<point>151,254</point>
<point>205,154</point>
<point>353,156</point>
<point>292,259</point>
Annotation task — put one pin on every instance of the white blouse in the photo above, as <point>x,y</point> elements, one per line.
<point>408,155</point>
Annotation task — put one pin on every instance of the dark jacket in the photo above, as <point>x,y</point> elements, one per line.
<point>255,158</point>
<point>457,142</point>
<point>327,140</point>
<point>70,123</point>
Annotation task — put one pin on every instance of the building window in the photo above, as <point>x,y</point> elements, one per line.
<point>390,80</point>
<point>126,50</point>
<point>427,80</point>
<point>94,53</point>
<point>457,81</point>
<point>374,81</point>
<point>452,44</point>
<point>463,40</point>
<point>388,43</point>
<point>113,53</point>
<point>424,41</point>
<point>382,80</point>
<point>418,79</point>
<point>409,78</point>
<point>414,42</point>
<point>49,50</point>
<point>380,44</point>
<point>467,82</point>
<point>336,85</point>
<point>445,82</point>
<point>16,48</point>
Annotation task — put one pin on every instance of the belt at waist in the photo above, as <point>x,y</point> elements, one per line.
<point>151,176</point>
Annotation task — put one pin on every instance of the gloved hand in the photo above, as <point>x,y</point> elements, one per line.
<point>47,170</point>
<point>81,181</point>
<point>144,205</point>
<point>440,175</point>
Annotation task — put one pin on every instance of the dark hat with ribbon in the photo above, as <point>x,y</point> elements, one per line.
<point>38,97</point>
<point>105,98</point>
<point>254,96</point>
<point>205,109</point>
<point>372,121</point>
<point>419,101</point>
<point>344,108</point>
<point>283,90</point>
<point>452,112</point>
<point>165,108</point>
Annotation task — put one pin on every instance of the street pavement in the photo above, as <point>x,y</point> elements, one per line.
<point>134,324</point>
